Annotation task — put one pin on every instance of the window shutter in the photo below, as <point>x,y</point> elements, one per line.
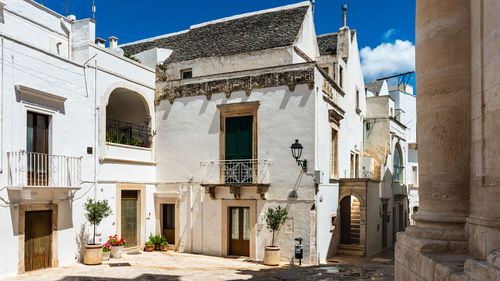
<point>239,131</point>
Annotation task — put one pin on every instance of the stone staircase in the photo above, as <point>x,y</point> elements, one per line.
<point>355,221</point>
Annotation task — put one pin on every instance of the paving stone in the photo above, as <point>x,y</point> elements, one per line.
<point>180,266</point>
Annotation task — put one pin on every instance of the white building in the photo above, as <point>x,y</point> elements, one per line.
<point>193,143</point>
<point>59,94</point>
<point>244,88</point>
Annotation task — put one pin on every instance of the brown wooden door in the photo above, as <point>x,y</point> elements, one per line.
<point>239,231</point>
<point>345,220</point>
<point>38,240</point>
<point>168,222</point>
<point>129,217</point>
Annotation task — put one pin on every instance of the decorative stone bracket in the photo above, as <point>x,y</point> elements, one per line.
<point>236,190</point>
<point>246,84</point>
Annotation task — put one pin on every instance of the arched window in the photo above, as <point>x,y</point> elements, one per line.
<point>128,119</point>
<point>398,164</point>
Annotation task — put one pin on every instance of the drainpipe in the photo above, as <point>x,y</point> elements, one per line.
<point>96,127</point>
<point>95,120</point>
<point>1,109</point>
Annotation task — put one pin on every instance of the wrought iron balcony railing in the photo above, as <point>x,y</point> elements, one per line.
<point>128,133</point>
<point>31,169</point>
<point>245,171</point>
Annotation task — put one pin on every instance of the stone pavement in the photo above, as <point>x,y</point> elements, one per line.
<point>181,266</point>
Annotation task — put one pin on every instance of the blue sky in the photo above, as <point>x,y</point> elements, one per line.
<point>380,24</point>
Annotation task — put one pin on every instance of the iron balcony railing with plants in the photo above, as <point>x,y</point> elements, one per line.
<point>32,169</point>
<point>244,172</point>
<point>122,132</point>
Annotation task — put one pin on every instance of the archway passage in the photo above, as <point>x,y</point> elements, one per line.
<point>350,224</point>
<point>128,119</point>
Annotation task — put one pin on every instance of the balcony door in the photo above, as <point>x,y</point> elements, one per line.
<point>37,147</point>
<point>238,150</point>
<point>239,234</point>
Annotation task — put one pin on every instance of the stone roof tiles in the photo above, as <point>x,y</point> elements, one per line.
<point>254,32</point>
<point>374,86</point>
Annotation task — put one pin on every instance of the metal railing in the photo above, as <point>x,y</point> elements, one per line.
<point>128,133</point>
<point>245,171</point>
<point>361,174</point>
<point>31,169</point>
<point>330,91</point>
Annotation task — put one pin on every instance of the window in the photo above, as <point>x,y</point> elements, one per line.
<point>357,102</point>
<point>238,138</point>
<point>398,164</point>
<point>341,77</point>
<point>334,154</point>
<point>334,72</point>
<point>352,165</point>
<point>356,166</point>
<point>186,73</point>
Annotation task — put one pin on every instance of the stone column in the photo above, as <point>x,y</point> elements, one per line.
<point>443,127</point>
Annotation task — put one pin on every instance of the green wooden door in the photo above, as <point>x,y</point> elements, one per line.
<point>129,217</point>
<point>239,149</point>
<point>38,240</point>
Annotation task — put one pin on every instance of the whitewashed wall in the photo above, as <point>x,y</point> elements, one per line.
<point>31,59</point>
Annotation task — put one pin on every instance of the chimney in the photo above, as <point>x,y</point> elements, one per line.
<point>344,13</point>
<point>100,42</point>
<point>113,43</point>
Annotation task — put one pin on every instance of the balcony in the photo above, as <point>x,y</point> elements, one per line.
<point>126,133</point>
<point>31,170</point>
<point>235,174</point>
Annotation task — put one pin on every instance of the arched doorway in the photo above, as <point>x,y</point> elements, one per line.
<point>350,224</point>
<point>128,119</point>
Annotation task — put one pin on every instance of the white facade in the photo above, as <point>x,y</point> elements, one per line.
<point>50,69</point>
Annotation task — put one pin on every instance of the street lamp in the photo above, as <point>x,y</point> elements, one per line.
<point>296,153</point>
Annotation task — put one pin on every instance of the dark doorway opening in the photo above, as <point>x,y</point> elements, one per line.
<point>168,222</point>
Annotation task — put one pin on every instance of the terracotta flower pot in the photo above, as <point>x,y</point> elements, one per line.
<point>92,254</point>
<point>149,248</point>
<point>164,247</point>
<point>116,252</point>
<point>272,255</point>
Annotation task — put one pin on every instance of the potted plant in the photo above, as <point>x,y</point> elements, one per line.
<point>275,218</point>
<point>106,251</point>
<point>157,241</point>
<point>96,211</point>
<point>164,245</point>
<point>116,246</point>
<point>149,246</point>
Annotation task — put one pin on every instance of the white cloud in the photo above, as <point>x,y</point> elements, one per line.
<point>388,34</point>
<point>387,59</point>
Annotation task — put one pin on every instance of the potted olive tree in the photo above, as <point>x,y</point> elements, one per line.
<point>96,211</point>
<point>275,218</point>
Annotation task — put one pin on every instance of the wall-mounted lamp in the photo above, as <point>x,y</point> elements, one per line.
<point>296,153</point>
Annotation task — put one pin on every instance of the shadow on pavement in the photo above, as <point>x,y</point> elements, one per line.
<point>142,277</point>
